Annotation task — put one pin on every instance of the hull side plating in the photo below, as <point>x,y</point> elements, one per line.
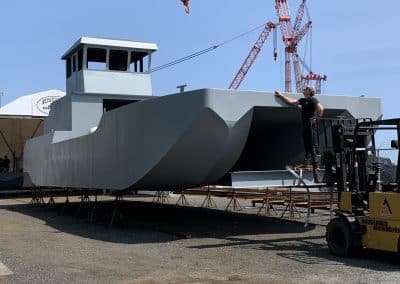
<point>178,141</point>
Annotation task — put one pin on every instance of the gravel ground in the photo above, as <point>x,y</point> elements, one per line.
<point>164,243</point>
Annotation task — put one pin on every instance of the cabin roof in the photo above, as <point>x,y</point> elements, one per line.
<point>105,42</point>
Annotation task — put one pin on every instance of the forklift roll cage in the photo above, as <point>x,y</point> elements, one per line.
<point>345,154</point>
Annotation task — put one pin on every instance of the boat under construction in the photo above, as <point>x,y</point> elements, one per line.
<point>111,132</point>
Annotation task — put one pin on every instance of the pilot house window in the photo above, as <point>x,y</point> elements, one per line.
<point>139,62</point>
<point>118,60</point>
<point>96,59</point>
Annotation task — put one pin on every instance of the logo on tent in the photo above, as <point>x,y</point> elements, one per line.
<point>385,210</point>
<point>44,104</point>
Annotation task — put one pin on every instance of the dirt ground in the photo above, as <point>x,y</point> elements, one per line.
<point>165,243</point>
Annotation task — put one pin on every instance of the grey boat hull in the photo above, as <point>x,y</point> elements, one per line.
<point>181,141</point>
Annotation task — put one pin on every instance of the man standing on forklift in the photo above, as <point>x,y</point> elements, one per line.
<point>310,108</point>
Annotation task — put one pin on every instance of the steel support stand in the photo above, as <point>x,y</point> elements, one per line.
<point>51,202</point>
<point>235,202</point>
<point>66,204</point>
<point>37,198</point>
<point>117,214</point>
<point>208,202</point>
<point>267,206</point>
<point>93,212</point>
<point>291,207</point>
<point>160,197</point>
<point>182,200</point>
<point>85,199</point>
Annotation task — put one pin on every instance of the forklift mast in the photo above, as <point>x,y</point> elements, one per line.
<point>345,155</point>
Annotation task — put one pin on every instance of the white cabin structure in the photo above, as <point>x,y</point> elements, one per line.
<point>101,75</point>
<point>109,66</point>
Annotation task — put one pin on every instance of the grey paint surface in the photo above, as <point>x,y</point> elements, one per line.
<point>75,115</point>
<point>111,82</point>
<point>60,116</point>
<point>270,178</point>
<point>175,141</point>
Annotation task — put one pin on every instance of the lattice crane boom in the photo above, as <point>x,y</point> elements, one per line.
<point>285,23</point>
<point>292,34</point>
<point>288,73</point>
<point>302,32</point>
<point>299,17</point>
<point>251,57</point>
<point>297,74</point>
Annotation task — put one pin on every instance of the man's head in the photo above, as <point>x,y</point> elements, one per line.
<point>308,91</point>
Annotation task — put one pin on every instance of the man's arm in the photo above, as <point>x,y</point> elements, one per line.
<point>319,110</point>
<point>286,99</point>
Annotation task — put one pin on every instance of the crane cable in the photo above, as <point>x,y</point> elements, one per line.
<point>201,52</point>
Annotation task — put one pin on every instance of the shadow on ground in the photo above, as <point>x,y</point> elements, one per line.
<point>146,222</point>
<point>172,220</point>
<point>312,250</point>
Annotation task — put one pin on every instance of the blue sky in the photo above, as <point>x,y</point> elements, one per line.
<point>355,43</point>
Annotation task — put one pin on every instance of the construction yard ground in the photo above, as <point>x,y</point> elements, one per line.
<point>167,243</point>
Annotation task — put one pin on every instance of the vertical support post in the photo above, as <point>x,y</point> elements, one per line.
<point>84,200</point>
<point>84,58</point>
<point>291,205</point>
<point>208,202</point>
<point>117,214</point>
<point>296,68</point>
<point>234,201</point>
<point>93,213</point>
<point>182,198</point>
<point>67,203</point>
<point>160,196</point>
<point>107,59</point>
<point>398,156</point>
<point>149,63</point>
<point>288,73</point>
<point>51,202</point>
<point>267,205</point>
<point>330,202</point>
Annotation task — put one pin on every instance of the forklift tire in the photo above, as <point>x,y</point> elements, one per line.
<point>339,237</point>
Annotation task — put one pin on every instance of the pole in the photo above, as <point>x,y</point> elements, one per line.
<point>181,88</point>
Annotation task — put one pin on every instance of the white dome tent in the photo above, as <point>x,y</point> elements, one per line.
<point>20,120</point>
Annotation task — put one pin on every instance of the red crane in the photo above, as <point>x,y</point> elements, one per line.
<point>186,4</point>
<point>306,79</point>
<point>253,55</point>
<point>292,34</point>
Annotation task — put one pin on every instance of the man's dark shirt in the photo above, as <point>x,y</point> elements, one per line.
<point>308,106</point>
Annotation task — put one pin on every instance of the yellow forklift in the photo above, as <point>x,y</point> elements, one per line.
<point>345,156</point>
